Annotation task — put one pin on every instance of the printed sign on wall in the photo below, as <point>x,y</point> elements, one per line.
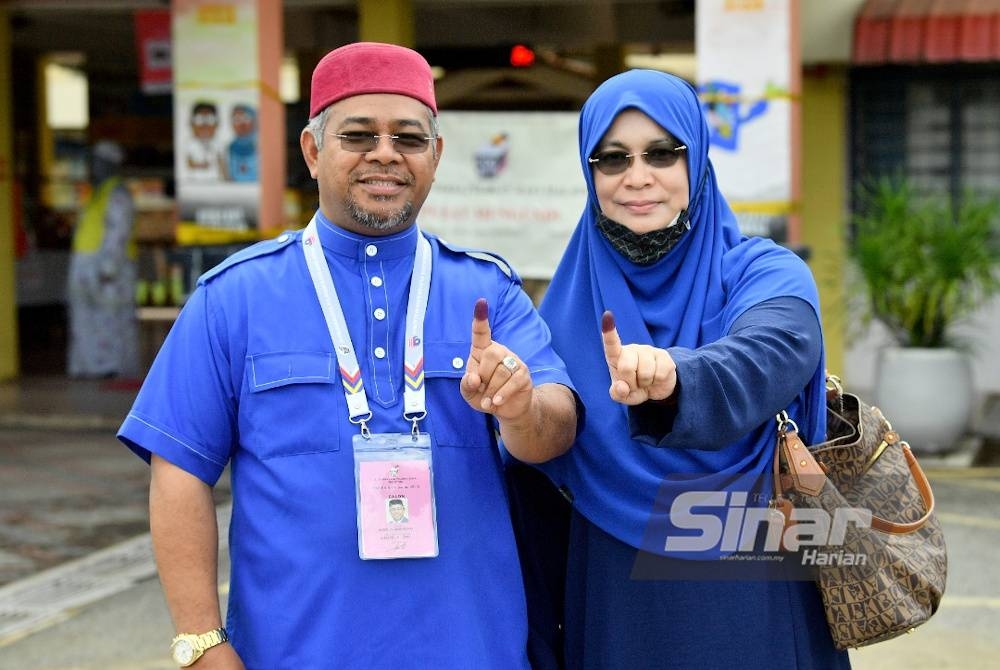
<point>216,102</point>
<point>508,182</point>
<point>152,37</point>
<point>744,79</point>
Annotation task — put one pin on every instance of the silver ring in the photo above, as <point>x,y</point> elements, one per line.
<point>511,364</point>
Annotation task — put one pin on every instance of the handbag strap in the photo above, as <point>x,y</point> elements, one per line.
<point>806,474</point>
<point>926,495</point>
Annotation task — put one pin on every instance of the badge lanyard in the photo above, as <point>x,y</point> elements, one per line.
<point>414,404</point>
<point>393,473</point>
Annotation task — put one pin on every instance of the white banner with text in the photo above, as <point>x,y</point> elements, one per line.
<point>510,183</point>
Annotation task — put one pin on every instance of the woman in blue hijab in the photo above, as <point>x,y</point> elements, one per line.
<point>708,335</point>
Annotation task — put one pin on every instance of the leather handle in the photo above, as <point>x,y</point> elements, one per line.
<point>926,494</point>
<point>878,523</point>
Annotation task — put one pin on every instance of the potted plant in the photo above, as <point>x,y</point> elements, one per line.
<point>925,262</point>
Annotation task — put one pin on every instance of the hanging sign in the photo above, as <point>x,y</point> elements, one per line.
<point>152,37</point>
<point>745,63</point>
<point>216,103</point>
<point>508,182</point>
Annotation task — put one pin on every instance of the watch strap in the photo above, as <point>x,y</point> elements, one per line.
<point>212,638</point>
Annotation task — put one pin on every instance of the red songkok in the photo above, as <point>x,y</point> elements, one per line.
<point>371,67</point>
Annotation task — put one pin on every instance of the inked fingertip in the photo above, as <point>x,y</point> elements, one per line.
<point>607,322</point>
<point>482,311</point>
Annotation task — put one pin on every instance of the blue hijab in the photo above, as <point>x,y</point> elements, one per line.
<point>689,298</point>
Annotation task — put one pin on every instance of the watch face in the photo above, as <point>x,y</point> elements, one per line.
<point>183,652</point>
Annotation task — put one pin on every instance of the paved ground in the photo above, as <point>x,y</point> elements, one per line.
<point>963,634</point>
<point>84,494</point>
<point>66,494</point>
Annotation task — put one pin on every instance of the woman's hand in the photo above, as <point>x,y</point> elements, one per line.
<point>639,372</point>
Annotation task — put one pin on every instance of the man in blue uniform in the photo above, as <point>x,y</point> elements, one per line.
<point>332,368</point>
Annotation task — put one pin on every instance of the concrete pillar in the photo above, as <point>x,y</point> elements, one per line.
<point>609,60</point>
<point>824,190</point>
<point>389,21</point>
<point>9,354</point>
<point>608,55</point>
<point>271,135</point>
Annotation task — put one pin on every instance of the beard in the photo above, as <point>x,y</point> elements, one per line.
<point>379,222</point>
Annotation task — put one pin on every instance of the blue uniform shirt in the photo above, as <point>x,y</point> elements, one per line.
<point>248,377</point>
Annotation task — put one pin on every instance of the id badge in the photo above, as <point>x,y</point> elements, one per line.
<point>394,489</point>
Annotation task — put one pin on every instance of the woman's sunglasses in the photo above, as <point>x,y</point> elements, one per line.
<point>615,161</point>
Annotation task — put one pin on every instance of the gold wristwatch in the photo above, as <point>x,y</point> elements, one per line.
<point>187,648</point>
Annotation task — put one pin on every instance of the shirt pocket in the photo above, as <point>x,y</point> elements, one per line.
<point>451,421</point>
<point>292,407</point>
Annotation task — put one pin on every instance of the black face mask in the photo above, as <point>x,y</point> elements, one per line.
<point>645,248</point>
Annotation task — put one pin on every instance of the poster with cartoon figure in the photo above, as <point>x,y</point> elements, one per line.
<point>744,81</point>
<point>216,100</point>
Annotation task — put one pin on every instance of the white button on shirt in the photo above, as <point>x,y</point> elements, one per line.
<point>379,313</point>
<point>376,281</point>
<point>379,352</point>
<point>371,250</point>
<point>457,363</point>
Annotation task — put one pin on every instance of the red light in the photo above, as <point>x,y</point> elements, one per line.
<point>521,56</point>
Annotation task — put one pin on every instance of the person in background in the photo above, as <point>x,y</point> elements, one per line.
<point>103,331</point>
<point>297,359</point>
<point>686,338</point>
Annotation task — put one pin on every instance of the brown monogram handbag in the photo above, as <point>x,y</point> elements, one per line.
<point>880,562</point>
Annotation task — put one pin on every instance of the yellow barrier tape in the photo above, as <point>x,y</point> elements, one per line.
<point>771,92</point>
<point>772,207</point>
<point>191,233</point>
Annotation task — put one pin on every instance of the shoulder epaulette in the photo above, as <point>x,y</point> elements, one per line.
<point>488,256</point>
<point>261,248</point>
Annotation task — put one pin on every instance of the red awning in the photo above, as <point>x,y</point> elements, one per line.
<point>927,31</point>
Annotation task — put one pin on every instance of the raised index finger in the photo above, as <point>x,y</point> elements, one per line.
<point>482,336</point>
<point>612,343</point>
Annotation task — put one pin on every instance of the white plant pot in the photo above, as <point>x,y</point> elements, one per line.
<point>926,394</point>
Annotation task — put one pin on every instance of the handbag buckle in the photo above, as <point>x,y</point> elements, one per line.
<point>786,423</point>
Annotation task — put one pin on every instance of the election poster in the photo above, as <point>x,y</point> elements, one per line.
<point>508,182</point>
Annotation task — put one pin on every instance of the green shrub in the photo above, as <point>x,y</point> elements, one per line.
<point>925,261</point>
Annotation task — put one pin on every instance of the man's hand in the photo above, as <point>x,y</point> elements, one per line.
<point>495,380</point>
<point>536,422</point>
<point>639,372</point>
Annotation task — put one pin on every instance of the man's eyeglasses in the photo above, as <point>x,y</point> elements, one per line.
<point>615,161</point>
<point>362,143</point>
